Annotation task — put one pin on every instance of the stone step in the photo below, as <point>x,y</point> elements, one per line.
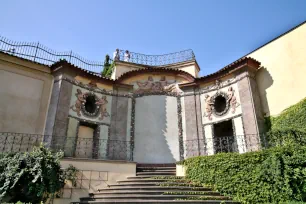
<point>153,184</point>
<point>155,173</point>
<point>156,170</point>
<point>155,165</point>
<point>160,201</point>
<point>156,192</point>
<point>151,197</point>
<point>164,188</point>
<point>149,180</point>
<point>146,176</point>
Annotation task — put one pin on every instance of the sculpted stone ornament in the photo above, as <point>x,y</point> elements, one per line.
<point>78,103</point>
<point>208,107</point>
<point>102,104</point>
<point>152,86</point>
<point>93,84</point>
<point>173,88</point>
<point>145,86</point>
<point>232,99</point>
<point>218,84</point>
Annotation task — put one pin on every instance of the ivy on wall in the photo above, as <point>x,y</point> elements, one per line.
<point>271,176</point>
<point>289,126</point>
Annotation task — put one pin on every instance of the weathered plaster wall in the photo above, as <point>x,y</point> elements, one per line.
<point>119,122</point>
<point>25,93</point>
<point>156,130</point>
<point>281,81</point>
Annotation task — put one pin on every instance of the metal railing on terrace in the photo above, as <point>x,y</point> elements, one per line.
<point>157,60</point>
<point>37,52</point>
<point>90,148</point>
<point>71,146</point>
<point>237,143</point>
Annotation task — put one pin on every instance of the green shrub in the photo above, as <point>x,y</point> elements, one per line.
<point>289,126</point>
<point>271,176</point>
<point>32,176</point>
<point>285,136</point>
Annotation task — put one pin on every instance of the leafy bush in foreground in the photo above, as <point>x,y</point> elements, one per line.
<point>274,175</point>
<point>31,176</point>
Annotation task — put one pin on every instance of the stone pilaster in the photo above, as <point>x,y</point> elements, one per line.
<point>251,109</point>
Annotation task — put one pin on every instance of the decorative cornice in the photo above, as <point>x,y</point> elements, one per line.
<point>181,73</point>
<point>131,95</point>
<point>88,121</point>
<point>225,119</point>
<point>237,65</point>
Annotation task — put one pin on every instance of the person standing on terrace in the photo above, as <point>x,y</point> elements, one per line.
<point>127,56</point>
<point>116,55</point>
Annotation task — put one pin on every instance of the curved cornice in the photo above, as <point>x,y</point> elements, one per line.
<point>238,64</point>
<point>178,72</point>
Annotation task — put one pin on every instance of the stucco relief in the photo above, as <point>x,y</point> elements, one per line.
<point>78,103</point>
<point>232,100</point>
<point>151,86</point>
<point>98,105</point>
<point>208,107</point>
<point>227,98</point>
<point>102,104</point>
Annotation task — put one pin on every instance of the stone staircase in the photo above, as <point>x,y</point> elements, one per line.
<point>155,184</point>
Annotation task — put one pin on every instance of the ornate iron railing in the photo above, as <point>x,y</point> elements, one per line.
<point>37,52</point>
<point>71,146</point>
<point>156,60</point>
<point>123,150</point>
<point>237,143</point>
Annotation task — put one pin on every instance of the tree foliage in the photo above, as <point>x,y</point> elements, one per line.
<point>31,176</point>
<point>274,175</point>
<point>108,67</point>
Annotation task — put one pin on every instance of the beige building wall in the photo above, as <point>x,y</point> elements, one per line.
<point>25,93</point>
<point>281,81</point>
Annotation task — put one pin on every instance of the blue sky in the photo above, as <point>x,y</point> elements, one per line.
<point>219,31</point>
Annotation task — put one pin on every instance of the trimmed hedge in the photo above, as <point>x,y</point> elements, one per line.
<point>271,176</point>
